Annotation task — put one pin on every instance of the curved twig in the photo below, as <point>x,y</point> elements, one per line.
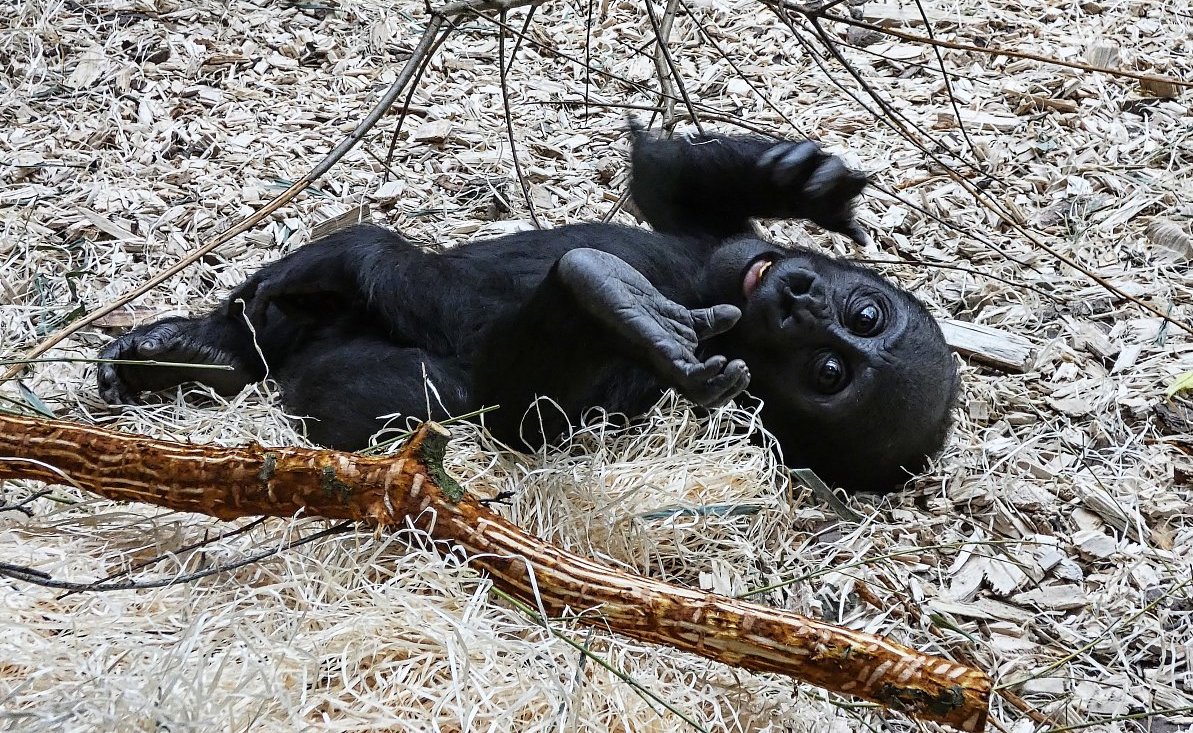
<point>509,119</point>
<point>988,50</point>
<point>426,43</point>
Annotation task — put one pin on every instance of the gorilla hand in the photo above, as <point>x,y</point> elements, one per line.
<point>661,332</point>
<point>818,183</point>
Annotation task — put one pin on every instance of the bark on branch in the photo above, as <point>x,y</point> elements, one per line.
<point>413,487</point>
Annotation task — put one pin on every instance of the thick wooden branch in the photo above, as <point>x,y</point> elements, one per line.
<point>413,487</point>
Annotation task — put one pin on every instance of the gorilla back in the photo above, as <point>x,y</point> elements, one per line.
<point>854,375</point>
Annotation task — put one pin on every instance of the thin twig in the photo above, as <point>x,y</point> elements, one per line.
<point>36,577</point>
<point>174,553</point>
<point>587,55</point>
<point>518,40</point>
<point>426,43</point>
<point>509,124</point>
<point>948,85</point>
<point>765,98</point>
<point>978,194</point>
<point>669,79</point>
<point>402,114</point>
<point>988,50</point>
<point>933,264</point>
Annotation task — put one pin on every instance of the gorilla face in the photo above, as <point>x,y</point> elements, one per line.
<point>855,375</point>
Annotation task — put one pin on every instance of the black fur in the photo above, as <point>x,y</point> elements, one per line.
<point>855,377</point>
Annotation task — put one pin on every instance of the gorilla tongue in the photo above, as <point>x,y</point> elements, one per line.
<point>754,276</point>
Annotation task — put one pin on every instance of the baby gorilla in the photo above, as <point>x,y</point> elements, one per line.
<point>855,378</point>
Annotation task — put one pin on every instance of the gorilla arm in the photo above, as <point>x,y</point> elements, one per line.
<point>596,333</point>
<point>712,185</point>
<point>256,327</point>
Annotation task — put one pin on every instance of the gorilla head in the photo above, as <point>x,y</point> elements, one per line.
<point>856,378</point>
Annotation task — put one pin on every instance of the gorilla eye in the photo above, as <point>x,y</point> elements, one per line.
<point>867,320</point>
<point>829,374</point>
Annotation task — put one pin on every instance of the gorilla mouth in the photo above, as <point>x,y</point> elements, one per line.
<point>753,276</point>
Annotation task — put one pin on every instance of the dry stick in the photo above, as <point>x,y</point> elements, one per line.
<point>520,36</point>
<point>413,87</point>
<point>339,151</point>
<point>509,122</point>
<point>662,62</point>
<point>587,57</point>
<point>473,6</point>
<point>989,50</point>
<point>411,488</point>
<point>944,74</point>
<point>662,37</point>
<point>175,553</point>
<point>727,58</point>
<point>979,195</point>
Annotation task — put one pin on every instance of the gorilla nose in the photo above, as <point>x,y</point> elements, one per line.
<point>799,281</point>
<point>804,294</point>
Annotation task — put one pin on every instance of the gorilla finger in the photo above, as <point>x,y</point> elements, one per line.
<point>111,388</point>
<point>854,231</point>
<point>827,179</point>
<point>700,373</point>
<point>151,346</point>
<point>115,348</point>
<point>716,395</point>
<point>156,342</point>
<point>741,375</point>
<point>237,304</point>
<point>730,383</point>
<point>790,161</point>
<point>105,376</point>
<point>767,159</point>
<point>116,396</point>
<point>250,300</point>
<point>709,322</point>
<point>253,304</point>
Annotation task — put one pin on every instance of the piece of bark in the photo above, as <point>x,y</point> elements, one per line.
<point>359,214</point>
<point>412,486</point>
<point>991,347</point>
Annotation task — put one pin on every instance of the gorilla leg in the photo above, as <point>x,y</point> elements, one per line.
<point>370,271</point>
<point>337,375</point>
<point>596,333</point>
<point>342,385</point>
<point>267,317</point>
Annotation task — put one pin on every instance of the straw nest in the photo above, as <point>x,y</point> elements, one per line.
<point>1049,544</point>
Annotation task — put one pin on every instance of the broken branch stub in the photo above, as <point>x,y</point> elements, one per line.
<point>413,487</point>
